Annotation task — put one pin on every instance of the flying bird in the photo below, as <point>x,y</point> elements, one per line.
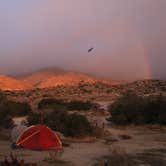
<point>90,49</point>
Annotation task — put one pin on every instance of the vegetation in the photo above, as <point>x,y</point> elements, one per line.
<point>58,104</point>
<point>50,102</point>
<point>7,122</point>
<point>16,109</point>
<point>34,118</point>
<point>5,119</point>
<point>58,119</point>
<point>133,109</point>
<point>79,105</point>
<point>9,109</point>
<point>69,124</point>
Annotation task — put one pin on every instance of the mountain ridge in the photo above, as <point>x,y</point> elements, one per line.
<point>48,77</point>
<point>10,83</point>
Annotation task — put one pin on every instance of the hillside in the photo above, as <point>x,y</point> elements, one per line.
<point>97,91</point>
<point>9,83</point>
<point>66,79</point>
<point>53,77</point>
<point>37,77</point>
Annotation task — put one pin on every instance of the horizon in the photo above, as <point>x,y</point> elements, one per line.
<point>128,37</point>
<point>17,76</point>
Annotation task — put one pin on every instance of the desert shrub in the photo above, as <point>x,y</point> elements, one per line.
<point>79,105</point>
<point>16,109</point>
<point>58,104</point>
<point>3,113</point>
<point>2,97</point>
<point>109,90</point>
<point>9,109</point>
<point>34,118</point>
<point>56,120</point>
<point>5,118</point>
<point>69,124</point>
<point>77,125</point>
<point>7,122</point>
<point>133,109</point>
<point>47,103</point>
<point>84,90</point>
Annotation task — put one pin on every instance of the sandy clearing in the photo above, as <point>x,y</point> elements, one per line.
<point>81,154</point>
<point>84,153</point>
<point>78,153</point>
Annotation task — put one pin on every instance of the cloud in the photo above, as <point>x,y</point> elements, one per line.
<point>129,36</point>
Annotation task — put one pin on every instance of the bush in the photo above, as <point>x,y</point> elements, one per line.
<point>9,109</point>
<point>2,97</point>
<point>16,109</point>
<point>79,105</point>
<point>58,104</point>
<point>69,124</point>
<point>5,119</point>
<point>34,118</point>
<point>50,103</point>
<point>77,125</point>
<point>133,109</point>
<point>7,122</point>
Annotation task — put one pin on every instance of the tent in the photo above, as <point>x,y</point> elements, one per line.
<point>39,137</point>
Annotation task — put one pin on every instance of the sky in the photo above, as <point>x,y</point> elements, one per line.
<point>128,37</point>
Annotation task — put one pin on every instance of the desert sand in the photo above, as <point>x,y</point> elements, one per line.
<point>81,154</point>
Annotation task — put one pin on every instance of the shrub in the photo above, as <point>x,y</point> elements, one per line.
<point>79,105</point>
<point>47,103</point>
<point>58,104</point>
<point>77,125</point>
<point>2,97</point>
<point>9,109</point>
<point>34,118</point>
<point>133,109</point>
<point>5,120</point>
<point>16,109</point>
<point>69,124</point>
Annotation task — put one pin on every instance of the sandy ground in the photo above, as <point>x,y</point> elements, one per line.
<point>81,154</point>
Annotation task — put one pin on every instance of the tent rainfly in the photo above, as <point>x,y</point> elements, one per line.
<point>39,137</point>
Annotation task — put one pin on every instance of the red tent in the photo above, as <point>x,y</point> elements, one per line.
<point>39,137</point>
